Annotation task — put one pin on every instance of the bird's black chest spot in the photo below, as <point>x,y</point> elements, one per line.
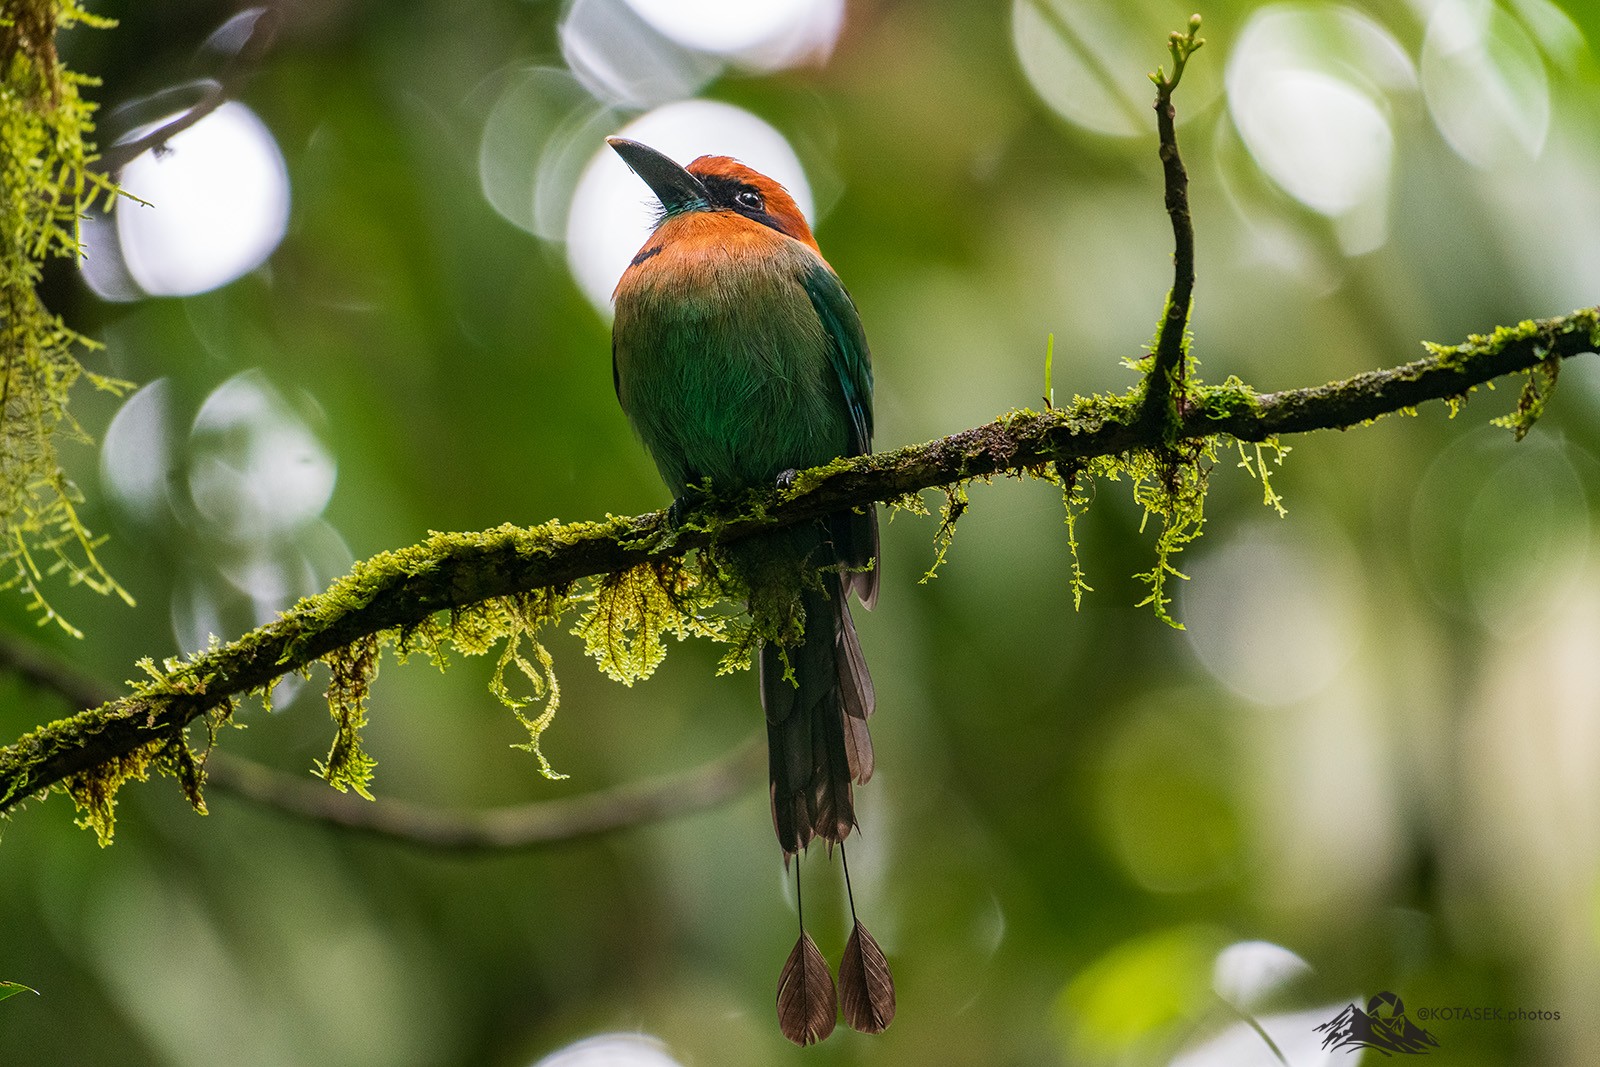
<point>653,250</point>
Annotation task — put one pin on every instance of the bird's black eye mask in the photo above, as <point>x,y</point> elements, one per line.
<point>731,194</point>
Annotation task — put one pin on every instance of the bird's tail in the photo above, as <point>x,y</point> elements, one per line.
<point>817,741</point>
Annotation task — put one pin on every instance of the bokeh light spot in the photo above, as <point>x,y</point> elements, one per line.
<point>624,60</point>
<point>536,141</point>
<point>1295,1035</point>
<point>1560,38</point>
<point>1136,994</point>
<point>1323,140</point>
<point>237,501</point>
<point>256,470</point>
<point>612,1050</point>
<point>1272,617</point>
<point>1165,801</point>
<point>770,35</point>
<point>1307,91</point>
<point>241,587</point>
<point>612,209</point>
<point>1248,972</point>
<point>1496,522</point>
<point>219,196</point>
<point>1485,83</point>
<point>136,454</point>
<point>104,270</point>
<point>1087,62</point>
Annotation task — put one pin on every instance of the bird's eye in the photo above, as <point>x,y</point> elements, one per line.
<point>750,199</point>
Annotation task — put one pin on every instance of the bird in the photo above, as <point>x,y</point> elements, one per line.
<point>739,357</point>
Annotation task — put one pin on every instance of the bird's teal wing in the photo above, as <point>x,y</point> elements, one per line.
<point>847,349</point>
<point>854,533</point>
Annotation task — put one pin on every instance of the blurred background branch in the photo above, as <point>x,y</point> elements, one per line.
<point>243,41</point>
<point>521,826</point>
<point>524,826</point>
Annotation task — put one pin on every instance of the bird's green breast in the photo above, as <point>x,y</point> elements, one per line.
<point>722,363</point>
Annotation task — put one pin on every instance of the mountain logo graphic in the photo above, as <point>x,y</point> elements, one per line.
<point>1383,1026</point>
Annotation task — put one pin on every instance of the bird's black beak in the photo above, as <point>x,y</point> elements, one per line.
<point>677,189</point>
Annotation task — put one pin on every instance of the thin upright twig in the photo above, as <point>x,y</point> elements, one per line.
<point>1164,398</point>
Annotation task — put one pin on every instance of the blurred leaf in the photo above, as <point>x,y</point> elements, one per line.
<point>1166,797</point>
<point>11,989</point>
<point>1140,992</point>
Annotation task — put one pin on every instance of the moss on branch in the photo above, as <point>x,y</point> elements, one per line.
<point>469,591</point>
<point>632,581</point>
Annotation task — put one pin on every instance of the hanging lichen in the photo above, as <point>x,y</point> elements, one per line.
<point>1253,461</point>
<point>353,668</point>
<point>1540,383</point>
<point>955,506</point>
<point>46,186</point>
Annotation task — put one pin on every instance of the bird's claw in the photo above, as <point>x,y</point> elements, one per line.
<point>692,497</point>
<point>786,479</point>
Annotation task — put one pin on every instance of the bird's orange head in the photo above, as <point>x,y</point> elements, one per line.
<point>715,183</point>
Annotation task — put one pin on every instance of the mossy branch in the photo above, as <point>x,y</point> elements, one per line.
<point>473,591</point>
<point>402,592</point>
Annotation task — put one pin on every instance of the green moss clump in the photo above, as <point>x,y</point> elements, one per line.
<point>1228,399</point>
<point>632,612</point>
<point>94,793</point>
<point>1539,381</point>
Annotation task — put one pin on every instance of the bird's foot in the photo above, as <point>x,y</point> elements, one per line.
<point>690,499</point>
<point>786,479</point>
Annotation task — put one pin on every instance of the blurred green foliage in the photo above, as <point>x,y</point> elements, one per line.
<point>1373,744</point>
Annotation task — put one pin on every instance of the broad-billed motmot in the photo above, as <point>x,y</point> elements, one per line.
<point>739,357</point>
